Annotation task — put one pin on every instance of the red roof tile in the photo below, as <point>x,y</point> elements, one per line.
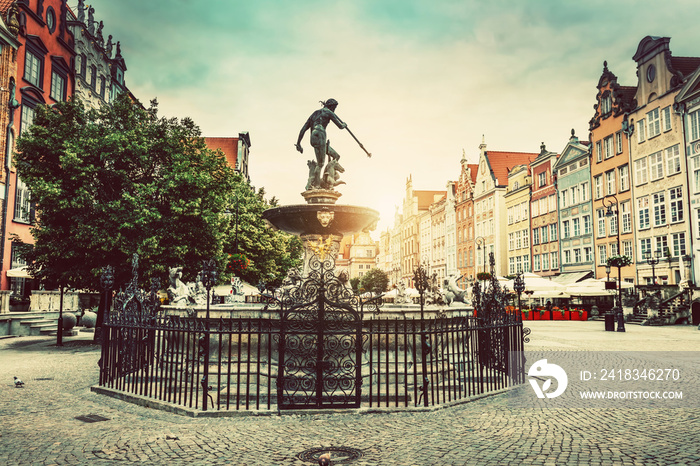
<point>4,6</point>
<point>474,170</point>
<point>502,162</point>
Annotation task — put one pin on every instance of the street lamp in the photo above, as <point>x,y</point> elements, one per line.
<point>519,287</point>
<point>609,212</point>
<point>480,241</point>
<point>653,261</point>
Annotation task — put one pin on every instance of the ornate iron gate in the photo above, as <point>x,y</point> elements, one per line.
<point>320,349</point>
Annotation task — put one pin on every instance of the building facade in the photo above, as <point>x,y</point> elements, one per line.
<point>659,163</point>
<point>610,174</point>
<point>517,200</point>
<point>44,75</point>
<point>573,176</point>
<point>543,210</point>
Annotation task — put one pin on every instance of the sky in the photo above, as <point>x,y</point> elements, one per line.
<point>419,82</point>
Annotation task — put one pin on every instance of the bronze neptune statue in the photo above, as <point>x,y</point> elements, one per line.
<point>317,123</point>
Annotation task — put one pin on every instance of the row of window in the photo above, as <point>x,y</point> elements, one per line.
<point>606,184</point>
<point>651,168</point>
<point>545,261</point>
<point>543,234</point>
<point>518,240</point>
<point>656,121</point>
<point>574,195</point>
<point>518,212</point>
<point>662,208</point>
<point>543,205</point>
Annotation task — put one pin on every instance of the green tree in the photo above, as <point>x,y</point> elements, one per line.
<point>375,281</point>
<point>270,253</point>
<point>111,182</point>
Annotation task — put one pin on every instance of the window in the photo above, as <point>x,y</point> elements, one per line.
<point>555,260</point>
<point>598,152</point>
<point>574,195</point>
<point>588,254</point>
<point>511,265</point>
<point>519,264</point>
<point>584,191</point>
<point>543,205</point>
<point>675,196</point>
<point>545,261</point>
<point>644,247</point>
<point>673,160</point>
<point>102,86</point>
<point>536,262</point>
<point>544,234</point>
<point>666,119</point>
<point>656,165</point>
<point>518,240</point>
<point>600,213</point>
<point>610,182</point>
<point>526,263</point>
<point>542,179</point>
<point>23,207</point>
<point>696,174</point>
<point>577,256</point>
<point>641,135</point>
<point>627,248</point>
<point>626,217</point>
<point>536,236</point>
<point>613,224</point>
<point>526,239</point>
<point>598,183</point>
<point>586,224</point>
<point>27,118</point>
<point>659,203</point>
<point>613,249</point>
<point>640,171</point>
<point>608,147</point>
<point>553,231</point>
<point>678,241</point>
<point>565,228</point>
<point>510,215</point>
<point>58,87</point>
<point>564,195</point>
<point>32,68</point>
<point>643,212</point>
<point>576,226</point>
<point>694,125</point>
<point>602,254</point>
<point>662,245</point>
<point>81,62</point>
<point>624,173</point>
<point>606,104</point>
<point>552,203</point>
<point>93,77</point>
<point>534,209</point>
<point>618,142</point>
<point>654,123</point>
<point>567,257</point>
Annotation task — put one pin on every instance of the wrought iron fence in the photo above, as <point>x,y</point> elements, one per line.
<point>404,362</point>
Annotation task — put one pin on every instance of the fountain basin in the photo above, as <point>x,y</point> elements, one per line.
<point>322,219</point>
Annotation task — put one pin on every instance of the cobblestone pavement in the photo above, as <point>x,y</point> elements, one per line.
<point>38,424</point>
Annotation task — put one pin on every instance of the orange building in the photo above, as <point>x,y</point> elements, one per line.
<point>610,173</point>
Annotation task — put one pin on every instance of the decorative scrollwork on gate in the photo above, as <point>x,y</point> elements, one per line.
<point>320,343</point>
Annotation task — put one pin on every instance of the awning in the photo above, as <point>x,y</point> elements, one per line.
<point>19,272</point>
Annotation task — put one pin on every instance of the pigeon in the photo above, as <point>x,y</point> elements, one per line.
<point>18,383</point>
<point>324,459</point>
